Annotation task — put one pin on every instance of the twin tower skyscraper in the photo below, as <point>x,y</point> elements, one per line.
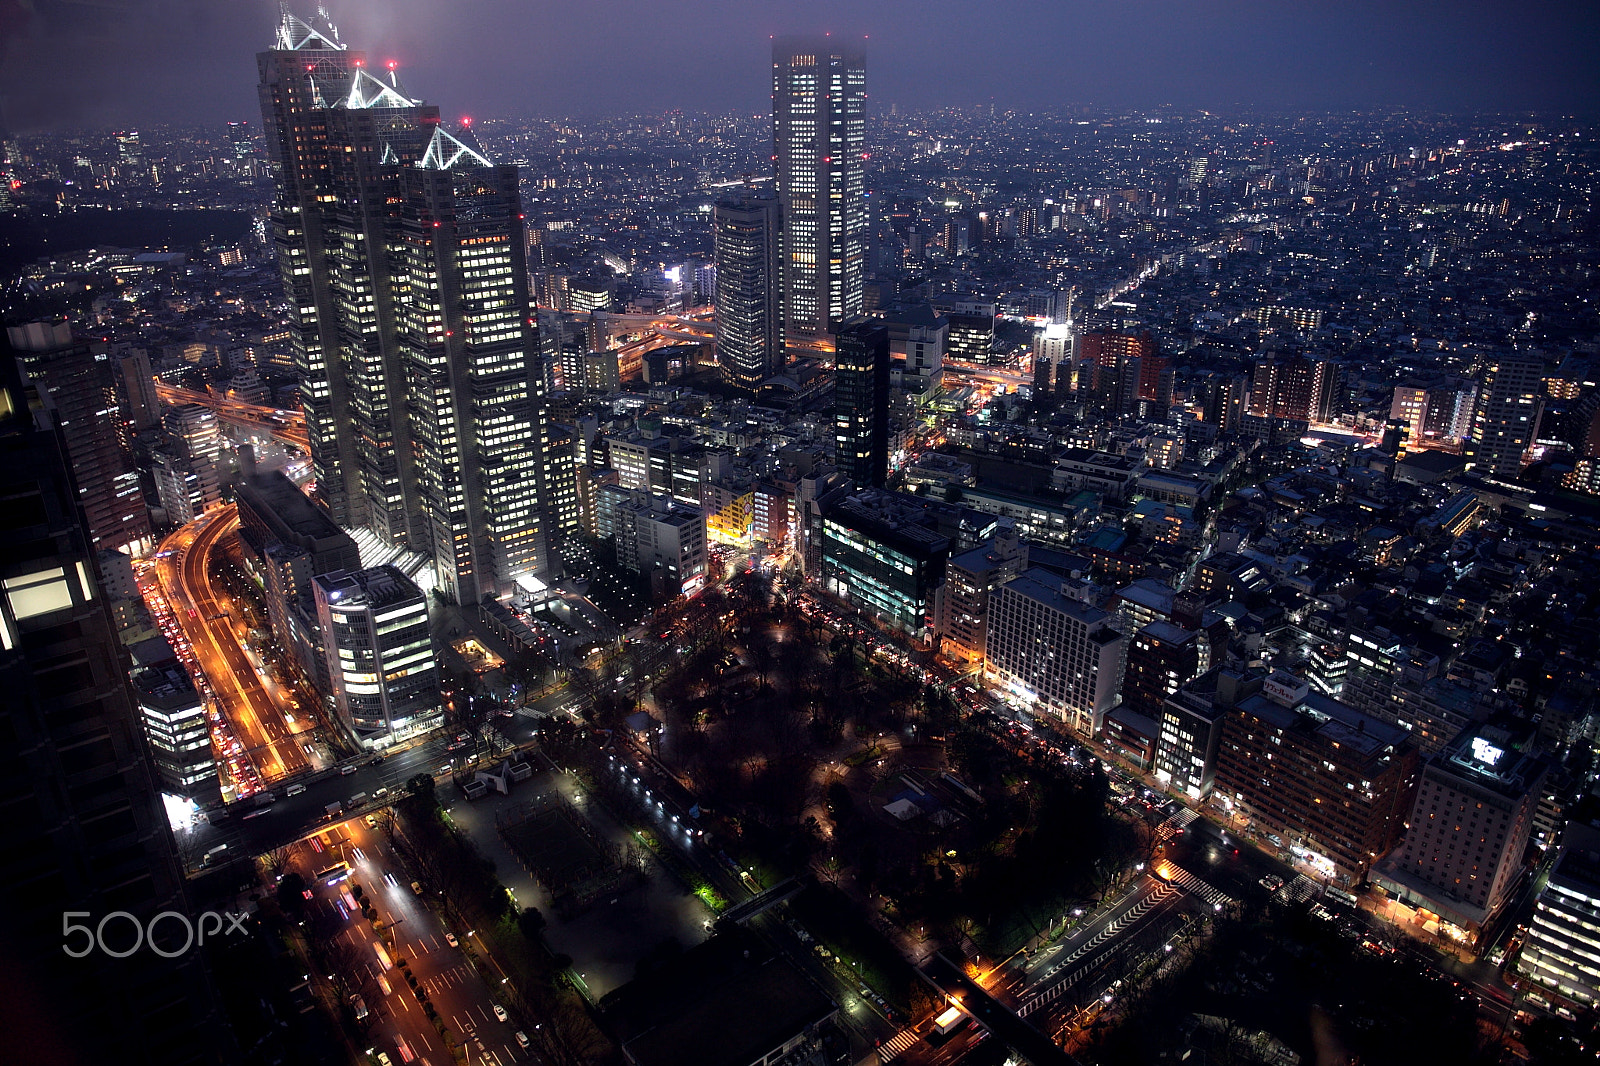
<point>403,257</point>
<point>403,261</point>
<point>791,264</point>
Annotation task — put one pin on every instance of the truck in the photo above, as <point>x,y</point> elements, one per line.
<point>265,799</point>
<point>334,809</point>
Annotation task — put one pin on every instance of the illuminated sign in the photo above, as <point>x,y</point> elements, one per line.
<point>1485,752</point>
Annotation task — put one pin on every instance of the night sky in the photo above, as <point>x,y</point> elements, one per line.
<point>70,63</point>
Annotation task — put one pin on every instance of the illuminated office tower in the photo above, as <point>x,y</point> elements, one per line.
<point>749,330</point>
<point>403,255</point>
<point>381,664</point>
<point>1506,418</point>
<point>819,136</point>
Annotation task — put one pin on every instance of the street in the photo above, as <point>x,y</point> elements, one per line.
<point>457,980</point>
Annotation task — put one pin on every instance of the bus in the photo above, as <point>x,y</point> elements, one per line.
<point>334,874</point>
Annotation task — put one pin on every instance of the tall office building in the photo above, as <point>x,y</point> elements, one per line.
<point>85,832</point>
<point>403,256</point>
<point>861,402</point>
<point>381,665</point>
<point>749,286</point>
<point>1562,950</point>
<point>80,392</point>
<point>819,147</point>
<point>1510,399</point>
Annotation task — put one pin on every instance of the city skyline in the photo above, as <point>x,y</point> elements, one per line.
<point>1023,55</point>
<point>802,585</point>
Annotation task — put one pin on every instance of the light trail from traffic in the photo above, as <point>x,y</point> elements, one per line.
<point>270,747</point>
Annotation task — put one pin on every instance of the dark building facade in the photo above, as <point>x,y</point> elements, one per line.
<point>861,402</point>
<point>82,395</point>
<point>85,831</point>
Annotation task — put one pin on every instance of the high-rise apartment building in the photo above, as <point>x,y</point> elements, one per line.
<point>749,284</point>
<point>85,830</point>
<point>403,256</point>
<point>80,392</point>
<point>1510,399</point>
<point>1294,387</point>
<point>1332,783</point>
<point>381,665</point>
<point>819,148</point>
<point>1462,856</point>
<point>961,606</point>
<point>861,402</point>
<point>1054,655</point>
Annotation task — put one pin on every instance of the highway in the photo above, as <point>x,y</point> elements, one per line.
<point>272,746</point>
<point>286,426</point>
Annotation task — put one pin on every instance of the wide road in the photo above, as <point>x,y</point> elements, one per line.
<point>272,745</point>
<point>457,979</point>
<point>288,427</point>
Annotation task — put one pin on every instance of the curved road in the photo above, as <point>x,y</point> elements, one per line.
<point>272,745</point>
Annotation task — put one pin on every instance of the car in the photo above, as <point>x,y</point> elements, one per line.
<point>1271,882</point>
<point>499,1012</point>
<point>359,1005</point>
<point>450,938</point>
<point>294,790</point>
<point>347,770</point>
<point>372,823</point>
<point>522,1038</point>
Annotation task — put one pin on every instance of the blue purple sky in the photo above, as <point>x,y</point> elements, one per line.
<point>100,62</point>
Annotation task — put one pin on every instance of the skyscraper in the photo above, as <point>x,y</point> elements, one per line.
<point>749,286</point>
<point>818,146</point>
<point>80,391</point>
<point>403,255</point>
<point>86,834</point>
<point>1507,415</point>
<point>861,402</point>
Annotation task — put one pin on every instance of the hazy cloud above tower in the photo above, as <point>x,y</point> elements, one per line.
<point>98,62</point>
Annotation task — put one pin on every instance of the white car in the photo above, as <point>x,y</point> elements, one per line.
<point>499,1012</point>
<point>450,938</point>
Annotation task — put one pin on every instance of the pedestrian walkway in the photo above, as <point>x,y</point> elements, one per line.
<point>1299,890</point>
<point>1190,883</point>
<point>892,1048</point>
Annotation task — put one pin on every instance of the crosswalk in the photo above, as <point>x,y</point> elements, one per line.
<point>1093,946</point>
<point>1299,890</point>
<point>1170,828</point>
<point>1190,883</point>
<point>896,1045</point>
